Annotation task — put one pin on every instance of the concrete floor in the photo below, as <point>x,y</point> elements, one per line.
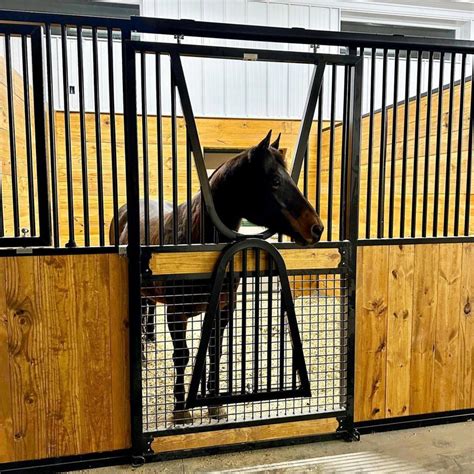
<point>433,449</point>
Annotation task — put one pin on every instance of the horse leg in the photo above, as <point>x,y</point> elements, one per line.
<point>217,412</point>
<point>177,327</point>
<point>149,320</point>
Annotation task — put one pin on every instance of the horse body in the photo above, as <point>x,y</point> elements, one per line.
<point>254,185</point>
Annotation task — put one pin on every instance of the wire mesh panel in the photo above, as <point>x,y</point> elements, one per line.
<point>256,350</point>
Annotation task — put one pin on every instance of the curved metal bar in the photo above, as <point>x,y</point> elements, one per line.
<point>218,279</point>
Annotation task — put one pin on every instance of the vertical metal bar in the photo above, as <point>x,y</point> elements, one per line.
<point>29,158</point>
<point>342,204</point>
<point>459,152</point>
<point>447,184</point>
<point>319,150</point>
<point>159,141</point>
<point>243,372</point>
<point>40,137</point>
<point>83,131</point>
<point>383,150</point>
<point>405,145</point>
<point>426,172</point>
<point>305,173</point>
<point>174,159</point>
<point>134,248</point>
<point>12,136</point>
<point>256,341</point>
<point>391,214</point>
<point>67,138</point>
<point>416,146</point>
<point>146,184</point>
<point>331,151</point>
<point>269,321</point>
<point>282,343</point>
<point>98,136</point>
<point>230,351</point>
<point>113,133</point>
<point>371,145</point>
<point>52,139</point>
<point>189,175</point>
<point>467,208</point>
<point>439,133</point>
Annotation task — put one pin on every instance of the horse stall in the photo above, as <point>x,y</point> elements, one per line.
<point>161,298</point>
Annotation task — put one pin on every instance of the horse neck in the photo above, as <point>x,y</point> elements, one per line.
<point>226,189</point>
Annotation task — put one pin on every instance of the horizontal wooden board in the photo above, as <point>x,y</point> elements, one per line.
<point>252,434</point>
<point>180,263</point>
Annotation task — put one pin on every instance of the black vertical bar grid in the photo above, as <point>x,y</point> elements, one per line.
<point>98,136</point>
<point>189,184</point>
<point>393,163</point>
<point>426,171</point>
<point>256,341</point>
<point>462,85</point>
<point>405,145</point>
<point>52,139</point>
<point>416,145</point>
<point>370,145</point>
<point>305,173</point>
<point>467,208</point>
<point>319,150</point>
<point>159,143</point>
<point>383,151</point>
<point>113,132</point>
<point>12,137</point>
<point>146,184</point>
<point>331,150</point>
<point>439,127</point>
<point>174,159</point>
<point>447,183</point>
<point>83,132</point>
<point>28,143</point>
<point>67,139</point>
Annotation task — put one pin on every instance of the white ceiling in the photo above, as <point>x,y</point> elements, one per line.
<point>463,5</point>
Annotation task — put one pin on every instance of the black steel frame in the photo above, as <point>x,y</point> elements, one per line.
<point>139,255</point>
<point>240,32</point>
<point>42,181</point>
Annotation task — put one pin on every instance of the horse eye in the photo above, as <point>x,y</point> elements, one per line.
<point>276,182</point>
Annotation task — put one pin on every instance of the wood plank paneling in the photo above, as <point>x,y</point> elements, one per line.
<point>426,265</point>
<point>249,434</point>
<point>179,263</point>
<point>447,328</point>
<point>399,319</point>
<point>371,322</point>
<point>466,330</point>
<point>67,350</point>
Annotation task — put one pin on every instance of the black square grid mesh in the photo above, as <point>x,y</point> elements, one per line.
<point>261,354</point>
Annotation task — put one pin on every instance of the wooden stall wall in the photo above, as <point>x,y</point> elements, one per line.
<point>63,356</point>
<point>415,329</point>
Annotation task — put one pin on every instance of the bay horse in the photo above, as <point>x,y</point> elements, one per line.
<point>254,185</point>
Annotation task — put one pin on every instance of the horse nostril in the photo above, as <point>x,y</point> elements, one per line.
<point>316,231</point>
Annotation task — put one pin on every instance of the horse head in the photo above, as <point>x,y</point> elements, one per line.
<point>273,199</point>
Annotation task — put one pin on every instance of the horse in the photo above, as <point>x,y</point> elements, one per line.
<point>254,185</point>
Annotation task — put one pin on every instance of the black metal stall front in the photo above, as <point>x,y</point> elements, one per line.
<point>261,352</point>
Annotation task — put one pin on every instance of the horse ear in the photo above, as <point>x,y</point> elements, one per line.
<point>265,143</point>
<point>276,143</point>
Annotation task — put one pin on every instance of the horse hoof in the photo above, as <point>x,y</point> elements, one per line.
<point>217,413</point>
<point>182,417</point>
